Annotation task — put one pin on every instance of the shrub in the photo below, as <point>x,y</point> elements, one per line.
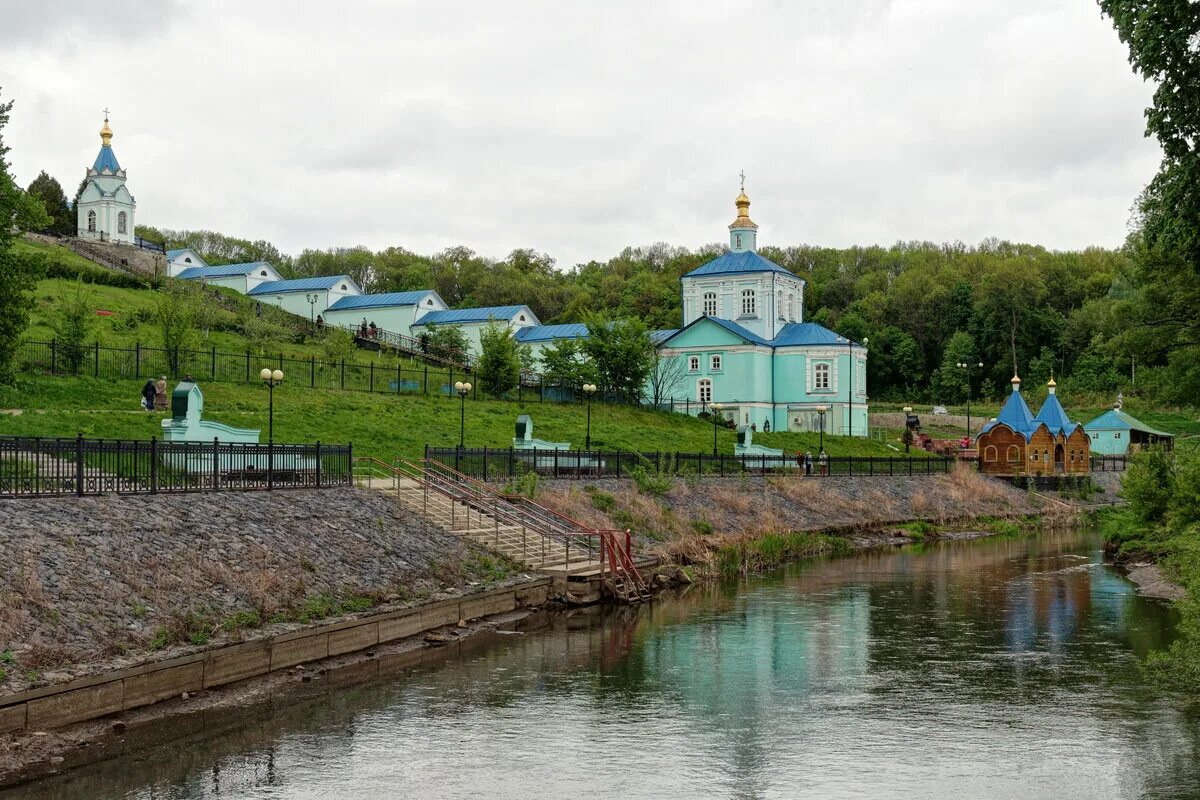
<point>603,501</point>
<point>1148,484</point>
<point>650,483</point>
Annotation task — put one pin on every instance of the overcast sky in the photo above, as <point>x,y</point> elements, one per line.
<point>579,128</point>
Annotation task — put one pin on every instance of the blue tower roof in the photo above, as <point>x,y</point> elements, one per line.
<point>1055,418</point>
<point>748,261</point>
<point>106,159</point>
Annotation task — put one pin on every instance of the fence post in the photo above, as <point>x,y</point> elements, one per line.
<point>426,385</point>
<point>79,464</point>
<point>153,465</point>
<point>96,372</point>
<point>216,476</point>
<point>851,466</point>
<point>510,462</point>
<point>214,362</point>
<point>343,379</point>
<point>54,356</point>
<point>312,372</point>
<point>910,466</point>
<point>318,463</point>
<point>371,381</point>
<point>618,462</point>
<point>555,461</point>
<point>399,377</point>
<point>247,366</point>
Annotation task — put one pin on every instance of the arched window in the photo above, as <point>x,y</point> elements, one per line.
<point>715,363</point>
<point>693,363</point>
<point>704,390</point>
<point>1033,455</point>
<point>522,318</point>
<point>429,302</point>
<point>1014,455</point>
<point>91,222</point>
<point>710,304</point>
<point>262,272</point>
<point>821,377</point>
<point>187,259</point>
<point>121,219</point>
<point>737,240</point>
<point>343,287</point>
<point>748,306</point>
<point>989,453</point>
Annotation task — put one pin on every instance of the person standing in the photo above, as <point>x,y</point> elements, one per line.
<point>823,460</point>
<point>160,394</point>
<point>808,464</point>
<point>148,392</point>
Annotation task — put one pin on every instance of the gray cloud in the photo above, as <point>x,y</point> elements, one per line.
<point>579,129</point>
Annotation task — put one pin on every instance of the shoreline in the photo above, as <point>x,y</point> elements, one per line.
<point>1150,580</point>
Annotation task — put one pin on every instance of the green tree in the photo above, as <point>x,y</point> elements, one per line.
<point>73,321</point>
<point>565,364</point>
<point>446,343</point>
<point>499,365</point>
<point>50,192</point>
<point>1148,484</point>
<point>175,315</point>
<point>951,383</point>
<point>622,354</point>
<point>18,271</point>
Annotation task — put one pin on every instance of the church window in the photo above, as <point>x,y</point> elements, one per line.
<point>989,453</point>
<point>710,304</point>
<point>715,363</point>
<point>121,222</point>
<point>821,377</point>
<point>1014,455</point>
<point>1117,435</point>
<point>343,287</point>
<point>522,318</point>
<point>1033,456</point>
<point>91,222</point>
<point>748,307</point>
<point>428,302</point>
<point>693,363</point>
<point>187,259</point>
<point>262,272</point>
<point>704,390</point>
<point>737,240</point>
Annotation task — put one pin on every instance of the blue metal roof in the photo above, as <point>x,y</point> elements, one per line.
<point>224,270</point>
<point>748,261</point>
<point>1116,420</point>
<point>546,333</point>
<point>106,159</point>
<point>300,284</point>
<point>732,327</point>
<point>658,337</point>
<point>1054,417</point>
<point>806,333</point>
<point>380,300</point>
<point>460,315</point>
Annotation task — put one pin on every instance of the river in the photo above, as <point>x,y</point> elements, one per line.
<point>997,668</point>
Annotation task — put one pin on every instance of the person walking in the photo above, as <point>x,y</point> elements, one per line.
<point>808,464</point>
<point>160,394</point>
<point>823,460</point>
<point>148,392</point>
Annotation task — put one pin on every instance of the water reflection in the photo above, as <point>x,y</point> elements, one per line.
<point>997,668</point>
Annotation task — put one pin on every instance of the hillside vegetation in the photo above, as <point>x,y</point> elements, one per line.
<point>378,425</point>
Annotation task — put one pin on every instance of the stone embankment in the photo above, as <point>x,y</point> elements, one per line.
<point>693,518</point>
<point>108,583</point>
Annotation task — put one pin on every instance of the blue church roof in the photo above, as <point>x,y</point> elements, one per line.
<point>299,284</point>
<point>658,337</point>
<point>106,159</point>
<point>222,271</point>
<point>806,333</point>
<point>1055,418</point>
<point>545,333</point>
<point>748,261</point>
<point>459,315</point>
<point>380,300</point>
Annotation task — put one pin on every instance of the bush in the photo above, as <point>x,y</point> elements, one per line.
<point>1148,484</point>
<point>650,482</point>
<point>56,268</point>
<point>603,501</point>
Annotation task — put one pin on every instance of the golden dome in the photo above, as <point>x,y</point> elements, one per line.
<point>106,133</point>
<point>1051,383</point>
<point>1015,379</point>
<point>743,212</point>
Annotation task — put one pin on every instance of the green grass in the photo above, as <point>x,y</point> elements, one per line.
<point>379,425</point>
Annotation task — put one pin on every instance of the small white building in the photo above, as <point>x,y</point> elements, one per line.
<point>306,297</point>
<point>538,337</point>
<point>105,208</point>
<point>394,311</point>
<point>472,321</point>
<point>241,277</point>
<point>181,259</point>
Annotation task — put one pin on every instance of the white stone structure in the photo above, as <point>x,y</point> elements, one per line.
<point>105,208</point>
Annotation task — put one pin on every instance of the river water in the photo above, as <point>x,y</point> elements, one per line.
<point>998,668</point>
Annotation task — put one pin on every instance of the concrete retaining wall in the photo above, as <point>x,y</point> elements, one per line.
<point>121,690</point>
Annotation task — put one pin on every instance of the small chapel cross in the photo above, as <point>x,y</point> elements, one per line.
<point>742,175</point>
<point>106,115</point>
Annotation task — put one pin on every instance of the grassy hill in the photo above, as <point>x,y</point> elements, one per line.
<point>378,425</point>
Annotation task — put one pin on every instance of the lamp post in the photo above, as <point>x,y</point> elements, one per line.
<point>589,389</point>
<point>312,307</point>
<point>907,432</point>
<point>821,414</point>
<point>271,378</point>
<point>463,390</point>
<point>967,368</point>
<point>716,408</point>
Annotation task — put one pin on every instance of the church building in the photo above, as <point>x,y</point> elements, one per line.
<point>745,346</point>
<point>1018,443</point>
<point>105,207</point>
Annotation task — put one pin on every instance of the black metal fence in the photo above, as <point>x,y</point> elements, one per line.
<point>37,467</point>
<point>497,464</point>
<point>1104,463</point>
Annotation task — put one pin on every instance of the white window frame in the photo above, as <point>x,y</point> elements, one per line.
<point>710,304</point>
<point>714,363</point>
<point>693,363</point>
<point>91,221</point>
<point>822,370</point>
<point>122,222</point>
<point>749,303</point>
<point>704,389</point>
